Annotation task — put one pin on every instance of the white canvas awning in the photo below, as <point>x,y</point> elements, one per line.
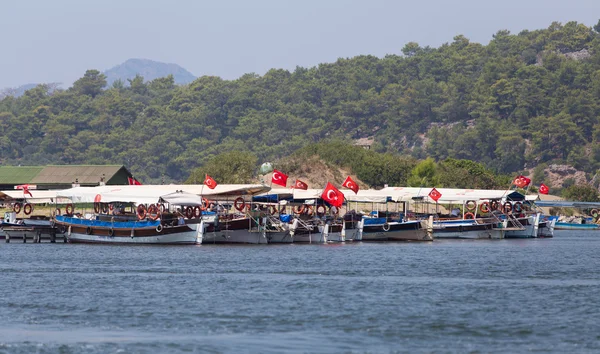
<point>36,197</point>
<point>448,194</point>
<point>147,194</point>
<point>368,196</point>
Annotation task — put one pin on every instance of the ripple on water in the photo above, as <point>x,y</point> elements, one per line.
<point>464,296</point>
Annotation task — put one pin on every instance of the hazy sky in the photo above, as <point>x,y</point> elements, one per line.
<point>57,40</point>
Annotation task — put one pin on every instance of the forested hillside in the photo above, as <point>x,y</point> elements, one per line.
<point>521,100</point>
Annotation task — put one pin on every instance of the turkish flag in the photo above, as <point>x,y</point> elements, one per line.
<point>133,182</point>
<point>521,181</point>
<point>435,195</point>
<point>279,178</point>
<point>544,189</point>
<point>333,195</point>
<point>26,191</point>
<point>300,185</point>
<point>210,182</point>
<point>350,184</point>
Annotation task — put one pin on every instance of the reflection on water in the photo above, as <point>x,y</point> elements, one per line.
<point>457,296</point>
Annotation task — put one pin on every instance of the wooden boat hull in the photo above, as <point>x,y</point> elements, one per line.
<point>466,231</point>
<point>243,236</point>
<point>574,226</point>
<point>184,234</point>
<point>279,237</point>
<point>130,232</point>
<point>396,231</point>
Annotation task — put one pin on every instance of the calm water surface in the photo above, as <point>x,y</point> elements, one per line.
<point>538,295</point>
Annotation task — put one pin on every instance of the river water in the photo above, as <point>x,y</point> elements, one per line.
<point>538,295</point>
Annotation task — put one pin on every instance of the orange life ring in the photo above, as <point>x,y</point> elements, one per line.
<point>469,215</point>
<point>518,207</point>
<point>299,209</point>
<point>97,208</point>
<point>17,208</point>
<point>141,211</point>
<point>309,210</point>
<point>189,212</point>
<point>507,207</point>
<point>239,203</point>
<point>153,212</point>
<point>198,211</point>
<point>27,209</point>
<point>321,210</point>
<point>484,207</point>
<point>471,205</point>
<point>69,209</point>
<point>273,209</point>
<point>57,211</point>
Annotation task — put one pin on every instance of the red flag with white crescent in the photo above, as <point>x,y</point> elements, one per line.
<point>300,185</point>
<point>133,182</point>
<point>521,181</point>
<point>333,195</point>
<point>210,182</point>
<point>279,178</point>
<point>350,184</point>
<point>435,194</point>
<point>544,189</point>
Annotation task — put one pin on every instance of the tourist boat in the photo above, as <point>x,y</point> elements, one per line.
<point>235,228</point>
<point>241,222</point>
<point>36,229</point>
<point>147,225</point>
<point>525,226</point>
<point>385,225</point>
<point>30,227</point>
<point>579,223</point>
<point>469,229</point>
<point>562,223</point>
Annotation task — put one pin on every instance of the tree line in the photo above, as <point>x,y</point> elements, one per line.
<point>522,100</point>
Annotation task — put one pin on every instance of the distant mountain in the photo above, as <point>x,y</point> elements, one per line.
<point>16,91</point>
<point>19,91</point>
<point>149,69</point>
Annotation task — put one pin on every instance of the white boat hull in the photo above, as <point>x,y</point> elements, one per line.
<point>530,230</point>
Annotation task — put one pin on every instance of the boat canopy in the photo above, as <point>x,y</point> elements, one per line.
<point>37,196</point>
<point>450,194</point>
<point>275,195</point>
<point>567,204</point>
<point>147,194</point>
